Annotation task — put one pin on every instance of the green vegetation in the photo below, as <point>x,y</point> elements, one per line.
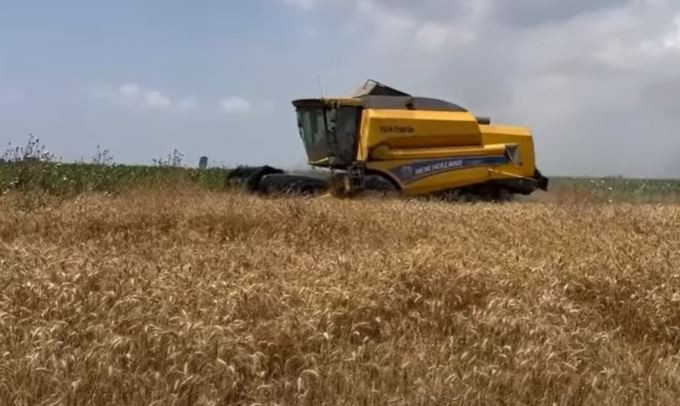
<point>31,168</point>
<point>69,179</point>
<point>76,178</point>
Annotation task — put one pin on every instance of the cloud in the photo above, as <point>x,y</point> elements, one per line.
<point>241,106</point>
<point>130,90</point>
<point>521,13</point>
<point>188,104</point>
<point>528,13</point>
<point>135,97</point>
<point>156,100</point>
<point>236,105</point>
<point>672,40</point>
<point>140,99</point>
<point>303,4</point>
<point>432,35</point>
<point>396,26</point>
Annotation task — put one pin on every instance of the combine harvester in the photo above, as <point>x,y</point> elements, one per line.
<point>387,141</point>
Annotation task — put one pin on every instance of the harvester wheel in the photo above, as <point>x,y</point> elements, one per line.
<point>374,185</point>
<point>477,194</point>
<point>505,196</point>
<point>379,186</point>
<point>496,194</point>
<point>249,177</point>
<point>287,184</point>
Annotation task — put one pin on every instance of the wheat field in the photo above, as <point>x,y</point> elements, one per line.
<point>200,298</point>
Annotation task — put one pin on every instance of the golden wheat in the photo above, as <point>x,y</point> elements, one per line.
<point>217,299</point>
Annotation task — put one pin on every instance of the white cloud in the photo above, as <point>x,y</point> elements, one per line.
<point>303,4</point>
<point>135,97</point>
<point>432,35</point>
<point>138,98</point>
<point>385,22</point>
<point>392,27</point>
<point>188,104</point>
<point>236,105</point>
<point>130,90</point>
<point>156,100</point>
<point>672,40</point>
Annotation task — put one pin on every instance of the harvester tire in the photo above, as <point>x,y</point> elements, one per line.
<point>504,196</point>
<point>289,184</point>
<point>379,185</point>
<point>249,177</point>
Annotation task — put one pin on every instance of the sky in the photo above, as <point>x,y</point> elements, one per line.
<point>597,81</point>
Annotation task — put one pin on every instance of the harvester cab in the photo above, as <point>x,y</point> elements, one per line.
<point>329,130</point>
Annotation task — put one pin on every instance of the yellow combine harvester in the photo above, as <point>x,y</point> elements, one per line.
<point>387,140</point>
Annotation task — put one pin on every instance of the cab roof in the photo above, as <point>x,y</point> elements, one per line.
<point>375,95</point>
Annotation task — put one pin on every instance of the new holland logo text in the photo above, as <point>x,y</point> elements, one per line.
<point>439,166</point>
<point>422,169</point>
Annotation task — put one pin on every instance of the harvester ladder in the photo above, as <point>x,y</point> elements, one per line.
<point>356,177</point>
